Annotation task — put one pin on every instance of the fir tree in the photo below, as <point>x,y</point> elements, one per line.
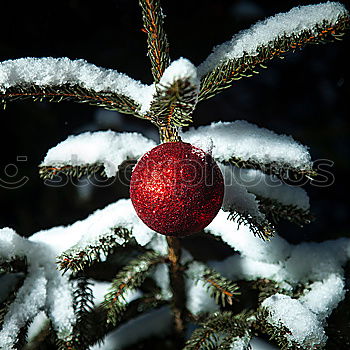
<point>266,288</point>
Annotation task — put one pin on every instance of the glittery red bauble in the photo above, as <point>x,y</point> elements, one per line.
<point>176,189</point>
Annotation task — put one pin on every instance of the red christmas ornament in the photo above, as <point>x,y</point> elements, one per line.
<point>176,189</point>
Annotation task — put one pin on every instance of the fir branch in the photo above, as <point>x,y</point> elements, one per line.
<point>128,278</point>
<point>226,73</point>
<point>173,103</point>
<point>158,46</point>
<point>267,288</point>
<point>217,330</point>
<point>77,258</point>
<point>12,266</point>
<point>260,226</point>
<point>276,211</point>
<point>220,288</point>
<point>72,93</point>
<point>84,328</point>
<point>283,171</point>
<point>276,334</point>
<point>49,172</point>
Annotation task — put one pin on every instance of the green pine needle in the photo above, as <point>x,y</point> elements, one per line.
<point>226,73</point>
<point>128,278</point>
<point>78,259</point>
<point>219,329</point>
<point>220,288</point>
<point>158,46</point>
<point>73,93</point>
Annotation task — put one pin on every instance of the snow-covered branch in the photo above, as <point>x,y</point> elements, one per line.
<point>248,146</point>
<point>267,39</point>
<point>77,80</point>
<point>106,148</point>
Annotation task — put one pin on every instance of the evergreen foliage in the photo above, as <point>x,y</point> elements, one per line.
<point>170,107</point>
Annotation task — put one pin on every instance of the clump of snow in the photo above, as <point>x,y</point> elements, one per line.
<point>316,261</point>
<point>259,344</point>
<point>303,324</point>
<point>39,322</point>
<point>106,147</point>
<point>240,343</point>
<point>100,223</point>
<point>29,301</point>
<point>319,300</point>
<point>236,196</point>
<point>52,290</point>
<point>50,71</point>
<point>248,142</point>
<point>198,299</point>
<point>241,239</point>
<point>265,32</point>
<point>161,277</point>
<point>181,69</point>
<point>269,186</point>
<point>156,322</point>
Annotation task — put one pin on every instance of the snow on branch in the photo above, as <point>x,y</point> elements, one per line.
<point>304,316</point>
<point>303,326</point>
<point>248,146</point>
<point>176,95</point>
<point>53,291</point>
<point>64,79</point>
<point>267,39</point>
<point>89,152</point>
<point>276,199</point>
<point>44,288</point>
<point>243,206</point>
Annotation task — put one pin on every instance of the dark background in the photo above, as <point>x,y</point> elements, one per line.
<point>306,95</point>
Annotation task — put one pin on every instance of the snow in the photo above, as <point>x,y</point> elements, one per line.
<point>100,223</point>
<point>106,147</point>
<point>161,277</point>
<point>303,324</point>
<point>198,299</point>
<point>53,291</point>
<point>248,142</point>
<point>265,32</point>
<point>29,301</point>
<point>181,69</point>
<point>240,343</point>
<point>50,71</point>
<point>242,240</point>
<point>259,344</point>
<point>269,186</point>
<point>319,300</point>
<point>155,322</point>
<point>236,196</point>
<point>318,265</point>
<point>39,322</point>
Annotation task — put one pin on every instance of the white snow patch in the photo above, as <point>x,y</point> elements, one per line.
<point>265,32</point>
<point>156,322</point>
<point>106,147</point>
<point>269,186</point>
<point>181,69</point>
<point>50,71</point>
<point>198,299</point>
<point>241,239</point>
<point>303,324</point>
<point>324,296</point>
<point>249,142</point>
